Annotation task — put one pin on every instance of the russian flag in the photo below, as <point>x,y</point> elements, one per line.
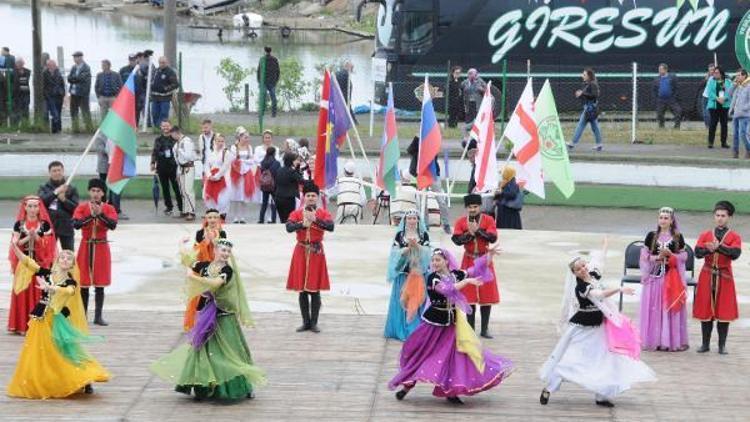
<point>119,128</point>
<point>430,141</point>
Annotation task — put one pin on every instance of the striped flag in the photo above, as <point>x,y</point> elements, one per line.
<point>119,128</point>
<point>430,141</point>
<point>389,152</point>
<point>522,131</point>
<point>320,163</point>
<point>486,160</point>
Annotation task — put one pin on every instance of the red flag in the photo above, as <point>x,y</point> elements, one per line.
<point>319,175</point>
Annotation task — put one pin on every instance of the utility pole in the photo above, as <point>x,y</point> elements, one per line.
<point>36,75</point>
<point>170,31</point>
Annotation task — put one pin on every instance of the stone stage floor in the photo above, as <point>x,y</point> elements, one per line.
<point>342,373</point>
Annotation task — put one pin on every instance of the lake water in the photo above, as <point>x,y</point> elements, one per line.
<point>112,36</point>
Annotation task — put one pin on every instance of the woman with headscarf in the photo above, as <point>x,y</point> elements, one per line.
<point>34,236</point>
<point>53,364</point>
<point>216,362</point>
<point>215,190</point>
<point>408,265</point>
<point>663,298</point>
<point>444,351</point>
<point>599,348</point>
<point>509,201</point>
<point>242,184</point>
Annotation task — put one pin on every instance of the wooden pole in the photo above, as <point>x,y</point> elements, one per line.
<point>37,65</point>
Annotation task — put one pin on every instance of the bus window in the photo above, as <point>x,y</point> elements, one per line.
<point>416,32</point>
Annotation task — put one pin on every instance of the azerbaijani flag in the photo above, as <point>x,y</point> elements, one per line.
<point>119,128</point>
<point>389,153</point>
<point>430,141</point>
<point>339,124</point>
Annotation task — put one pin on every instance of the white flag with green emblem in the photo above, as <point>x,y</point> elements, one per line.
<point>555,162</point>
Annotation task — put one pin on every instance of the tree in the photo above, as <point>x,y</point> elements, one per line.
<point>291,87</point>
<point>235,76</point>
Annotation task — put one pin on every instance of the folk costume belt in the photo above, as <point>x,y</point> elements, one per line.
<point>314,247</point>
<point>97,241</point>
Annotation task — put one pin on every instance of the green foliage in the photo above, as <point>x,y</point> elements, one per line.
<point>317,82</point>
<point>309,107</point>
<point>291,87</point>
<point>278,4</point>
<point>234,75</point>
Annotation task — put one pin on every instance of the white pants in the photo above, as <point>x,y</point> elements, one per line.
<point>186,179</point>
<point>348,212</point>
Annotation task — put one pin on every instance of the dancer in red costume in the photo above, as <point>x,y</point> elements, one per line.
<point>35,237</point>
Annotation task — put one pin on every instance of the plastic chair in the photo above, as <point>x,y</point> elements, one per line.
<point>632,262</point>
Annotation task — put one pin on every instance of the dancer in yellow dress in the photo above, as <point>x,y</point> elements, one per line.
<point>53,364</point>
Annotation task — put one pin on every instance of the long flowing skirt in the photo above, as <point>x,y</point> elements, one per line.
<point>661,329</point>
<point>21,305</point>
<point>52,363</point>
<point>430,355</point>
<point>582,357</point>
<point>221,369</point>
<point>396,324</point>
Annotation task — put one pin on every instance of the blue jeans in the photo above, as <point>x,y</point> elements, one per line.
<point>54,109</point>
<point>159,112</point>
<point>272,93</point>
<point>582,125</point>
<point>706,114</point>
<point>741,133</point>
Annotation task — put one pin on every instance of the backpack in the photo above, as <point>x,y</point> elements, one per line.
<point>267,183</point>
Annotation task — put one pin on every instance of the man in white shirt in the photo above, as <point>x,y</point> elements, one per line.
<point>206,140</point>
<point>184,154</point>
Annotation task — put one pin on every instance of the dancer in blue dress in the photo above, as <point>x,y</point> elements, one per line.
<point>407,266</point>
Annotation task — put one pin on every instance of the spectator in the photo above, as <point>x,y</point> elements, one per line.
<point>54,92</point>
<point>79,79</point>
<point>7,60</point>
<point>471,154</point>
<point>473,90</point>
<point>343,77</point>
<point>21,93</point>
<point>126,70</point>
<point>708,77</point>
<point>304,154</point>
<point>260,150</point>
<point>102,167</point>
<point>509,201</point>
<point>288,179</point>
<point>665,91</point>
<point>61,200</point>
<point>206,141</point>
<point>455,98</point>
<point>185,156</point>
<point>740,110</point>
<point>163,86</point>
<point>107,86</point>
<point>719,101</point>
<point>589,96</point>
<point>271,76</point>
<point>269,168</point>
<point>7,65</point>
<point>141,81</point>
<point>165,166</point>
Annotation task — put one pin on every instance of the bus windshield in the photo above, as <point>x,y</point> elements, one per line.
<point>416,32</point>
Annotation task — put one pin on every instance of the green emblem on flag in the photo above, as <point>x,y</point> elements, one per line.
<point>742,42</point>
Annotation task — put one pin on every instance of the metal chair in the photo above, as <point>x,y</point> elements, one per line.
<point>632,262</point>
<point>690,270</point>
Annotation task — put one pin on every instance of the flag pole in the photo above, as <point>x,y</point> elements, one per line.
<point>146,111</point>
<point>359,140</point>
<point>80,159</point>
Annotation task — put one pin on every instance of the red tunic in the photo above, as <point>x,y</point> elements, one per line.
<point>719,303</point>
<point>23,303</point>
<point>487,293</point>
<point>308,271</point>
<point>94,259</point>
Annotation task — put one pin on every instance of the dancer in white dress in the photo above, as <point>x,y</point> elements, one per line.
<point>241,178</point>
<point>215,186</point>
<point>599,348</point>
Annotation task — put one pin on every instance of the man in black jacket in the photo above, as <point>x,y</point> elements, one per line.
<point>21,93</point>
<point>126,70</point>
<point>163,162</point>
<point>270,77</point>
<point>61,200</point>
<point>54,93</point>
<point>163,86</point>
<point>288,179</point>
<point>79,79</point>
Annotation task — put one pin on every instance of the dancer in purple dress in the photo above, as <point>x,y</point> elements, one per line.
<point>663,308</point>
<point>444,350</point>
